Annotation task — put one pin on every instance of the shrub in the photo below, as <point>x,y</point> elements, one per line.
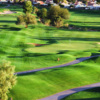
<point>26,19</point>
<point>56,11</point>
<point>58,22</point>
<point>53,12</point>
<point>64,13</point>
<point>7,79</point>
<point>35,10</point>
<point>53,16</point>
<point>27,7</point>
<point>42,13</point>
<point>30,19</point>
<point>47,21</point>
<point>20,20</point>
<point>57,14</point>
<point>66,25</point>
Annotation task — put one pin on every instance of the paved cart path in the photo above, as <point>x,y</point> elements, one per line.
<point>63,94</point>
<point>63,65</point>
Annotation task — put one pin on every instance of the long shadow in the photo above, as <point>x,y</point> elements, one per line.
<point>11,29</point>
<point>6,21</point>
<point>69,38</point>
<point>96,28</point>
<point>75,90</point>
<point>97,89</point>
<point>29,55</point>
<point>86,12</point>
<point>84,22</point>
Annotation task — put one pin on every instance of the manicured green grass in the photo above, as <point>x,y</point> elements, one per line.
<point>49,82</point>
<point>14,47</point>
<point>90,94</point>
<point>85,19</point>
<point>60,43</point>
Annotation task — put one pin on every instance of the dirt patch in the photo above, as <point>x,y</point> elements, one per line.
<point>36,44</point>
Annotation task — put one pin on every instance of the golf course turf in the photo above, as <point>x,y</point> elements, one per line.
<point>63,43</point>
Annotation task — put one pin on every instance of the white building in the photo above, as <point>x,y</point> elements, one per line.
<point>5,1</point>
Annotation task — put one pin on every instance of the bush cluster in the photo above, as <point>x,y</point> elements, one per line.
<point>55,15</point>
<point>27,7</point>
<point>35,10</point>
<point>26,19</point>
<point>42,13</point>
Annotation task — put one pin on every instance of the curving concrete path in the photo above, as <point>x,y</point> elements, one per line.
<point>63,94</point>
<point>63,65</point>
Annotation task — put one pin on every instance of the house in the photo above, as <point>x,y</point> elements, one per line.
<point>49,1</point>
<point>3,1</point>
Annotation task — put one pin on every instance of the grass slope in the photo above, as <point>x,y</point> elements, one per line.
<point>48,82</point>
<point>14,39</point>
<point>61,43</point>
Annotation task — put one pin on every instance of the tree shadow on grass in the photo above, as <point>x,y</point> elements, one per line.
<point>6,27</point>
<point>12,29</point>
<point>68,38</point>
<point>29,55</point>
<point>85,28</point>
<point>97,89</point>
<point>86,12</point>
<point>6,21</point>
<point>98,23</point>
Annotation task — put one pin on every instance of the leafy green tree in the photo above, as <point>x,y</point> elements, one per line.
<point>57,14</point>
<point>53,12</point>
<point>7,79</point>
<point>54,15</point>
<point>64,13</point>
<point>27,7</point>
<point>35,10</point>
<point>42,13</point>
<point>58,22</point>
<point>26,19</point>
<point>29,19</point>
